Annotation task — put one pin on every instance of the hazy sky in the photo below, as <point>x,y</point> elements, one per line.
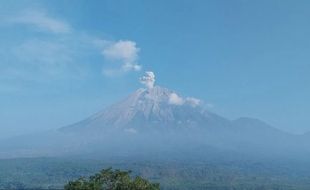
<point>62,61</point>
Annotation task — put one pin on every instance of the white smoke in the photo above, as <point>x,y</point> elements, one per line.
<point>123,52</point>
<point>148,79</point>
<point>175,99</point>
<point>193,101</point>
<point>131,130</point>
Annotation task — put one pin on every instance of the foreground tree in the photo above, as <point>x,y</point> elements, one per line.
<point>109,179</point>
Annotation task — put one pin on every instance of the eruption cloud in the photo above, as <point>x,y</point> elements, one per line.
<point>148,79</point>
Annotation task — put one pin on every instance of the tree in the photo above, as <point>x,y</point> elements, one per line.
<point>109,179</point>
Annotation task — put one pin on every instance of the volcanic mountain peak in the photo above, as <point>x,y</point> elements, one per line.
<point>146,108</point>
<point>155,103</point>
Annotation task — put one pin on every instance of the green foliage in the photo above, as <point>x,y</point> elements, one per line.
<point>109,179</point>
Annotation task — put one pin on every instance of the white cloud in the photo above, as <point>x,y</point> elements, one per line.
<point>43,59</point>
<point>193,101</point>
<point>44,56</point>
<point>43,52</point>
<point>42,21</point>
<point>175,99</point>
<point>131,67</point>
<point>131,130</point>
<point>66,53</point>
<point>148,79</point>
<point>123,52</point>
<point>209,105</point>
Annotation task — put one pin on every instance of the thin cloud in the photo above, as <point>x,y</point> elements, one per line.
<point>66,51</point>
<point>175,99</point>
<point>123,52</point>
<point>42,21</point>
<point>193,101</point>
<point>48,56</point>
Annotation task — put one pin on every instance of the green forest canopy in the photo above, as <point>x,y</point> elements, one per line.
<point>109,179</point>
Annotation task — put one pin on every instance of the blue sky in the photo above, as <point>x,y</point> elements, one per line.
<point>62,61</point>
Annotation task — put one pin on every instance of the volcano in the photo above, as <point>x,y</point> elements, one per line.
<point>158,121</point>
<point>151,109</point>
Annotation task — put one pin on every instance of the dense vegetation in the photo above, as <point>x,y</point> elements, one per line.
<point>54,173</point>
<point>109,179</point>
